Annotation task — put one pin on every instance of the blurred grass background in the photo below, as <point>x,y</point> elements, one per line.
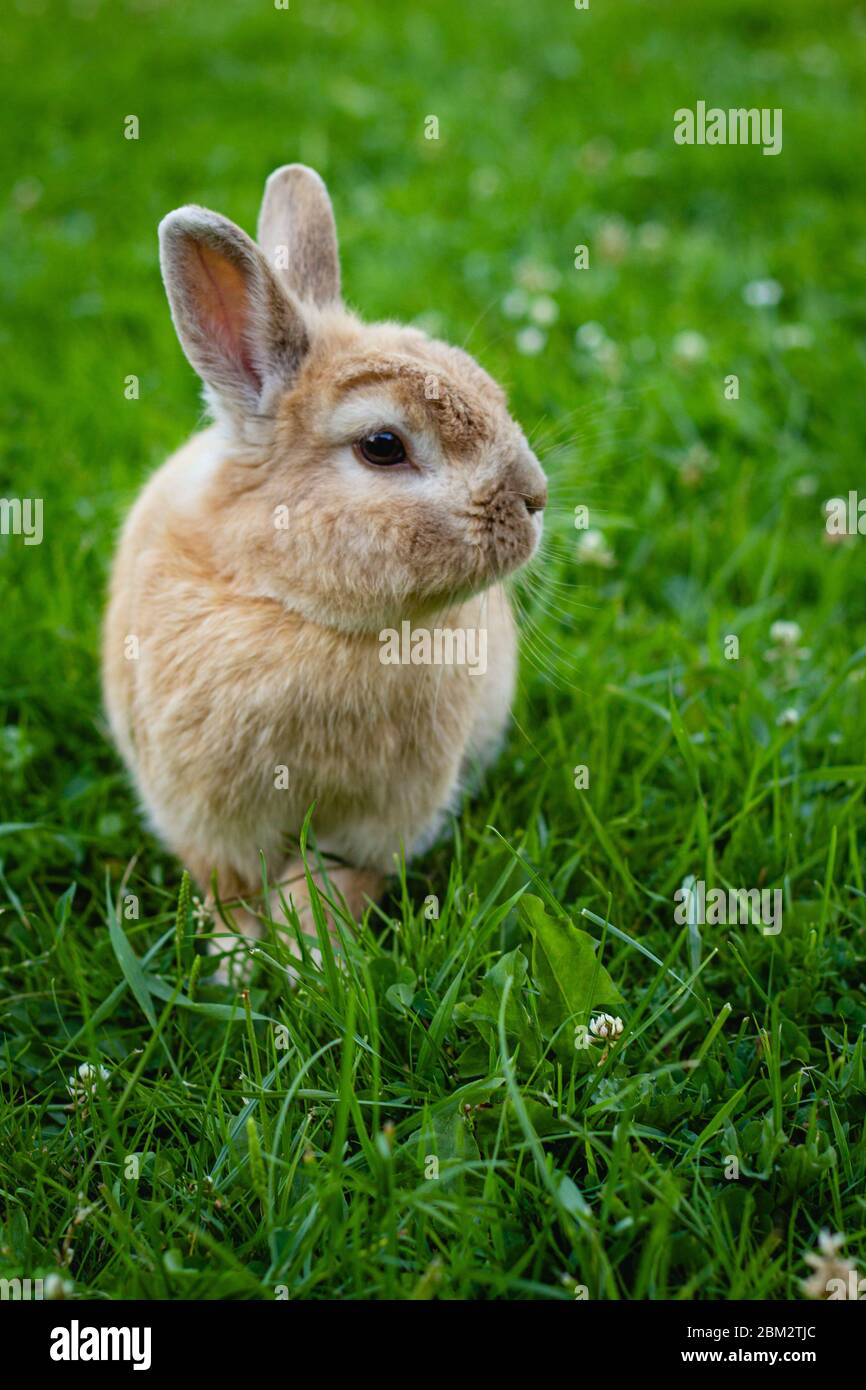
<point>555,129</point>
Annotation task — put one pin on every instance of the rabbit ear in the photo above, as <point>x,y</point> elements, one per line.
<point>298,235</point>
<point>236,324</point>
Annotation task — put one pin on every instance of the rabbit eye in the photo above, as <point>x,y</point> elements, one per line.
<point>382,448</point>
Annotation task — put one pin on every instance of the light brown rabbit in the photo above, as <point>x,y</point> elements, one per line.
<point>358,481</point>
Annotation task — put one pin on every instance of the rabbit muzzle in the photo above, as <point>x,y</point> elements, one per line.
<point>506,514</point>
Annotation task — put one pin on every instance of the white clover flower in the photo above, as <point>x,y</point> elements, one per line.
<point>590,336</point>
<point>515,304</point>
<point>827,1265</point>
<point>593,549</point>
<point>788,718</point>
<point>788,655</point>
<point>544,310</point>
<point>613,239</point>
<point>607,1027</point>
<point>88,1075</point>
<point>690,346</point>
<point>536,277</point>
<point>82,1083</point>
<point>608,356</point>
<point>54,1286</point>
<point>786,634</point>
<point>201,914</point>
<point>762,294</point>
<point>530,341</point>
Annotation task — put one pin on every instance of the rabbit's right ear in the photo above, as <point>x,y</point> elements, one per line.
<point>239,328</point>
<point>298,235</point>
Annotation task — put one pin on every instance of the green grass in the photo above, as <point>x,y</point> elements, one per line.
<point>284,1142</point>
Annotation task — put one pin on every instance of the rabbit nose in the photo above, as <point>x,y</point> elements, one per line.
<point>533,486</point>
<point>536,501</point>
<point>530,482</point>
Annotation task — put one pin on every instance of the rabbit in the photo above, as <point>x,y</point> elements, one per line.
<point>356,481</point>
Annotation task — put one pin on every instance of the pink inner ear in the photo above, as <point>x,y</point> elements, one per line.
<point>224,304</point>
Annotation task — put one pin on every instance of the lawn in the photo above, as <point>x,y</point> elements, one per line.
<point>427,1124</point>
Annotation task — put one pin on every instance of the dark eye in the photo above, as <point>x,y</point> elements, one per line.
<point>383,448</point>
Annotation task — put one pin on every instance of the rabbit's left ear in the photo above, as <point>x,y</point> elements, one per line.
<point>298,235</point>
<point>237,325</point>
